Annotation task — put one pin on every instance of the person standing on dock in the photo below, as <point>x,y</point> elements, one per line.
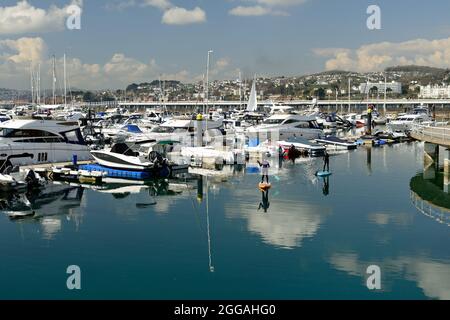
<point>326,161</point>
<point>265,165</point>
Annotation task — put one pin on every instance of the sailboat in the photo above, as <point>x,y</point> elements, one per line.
<point>252,104</point>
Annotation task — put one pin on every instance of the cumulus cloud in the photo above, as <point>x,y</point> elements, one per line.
<point>377,56</point>
<point>120,5</point>
<point>264,7</point>
<point>23,50</point>
<point>172,14</point>
<point>25,18</point>
<point>17,55</point>
<point>280,2</point>
<point>161,4</point>
<point>250,11</point>
<point>181,16</point>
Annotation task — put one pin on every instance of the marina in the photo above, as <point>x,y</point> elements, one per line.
<point>314,232</point>
<point>224,159</point>
<point>191,212</point>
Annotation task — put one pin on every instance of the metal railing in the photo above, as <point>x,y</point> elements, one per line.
<point>441,215</point>
<point>435,131</point>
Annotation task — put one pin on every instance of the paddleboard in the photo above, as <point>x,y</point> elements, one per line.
<point>264,186</point>
<point>323,173</point>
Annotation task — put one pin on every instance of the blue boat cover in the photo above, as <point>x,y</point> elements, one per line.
<point>132,128</point>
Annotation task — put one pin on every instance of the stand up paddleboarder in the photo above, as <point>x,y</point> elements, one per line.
<point>326,161</point>
<point>265,165</point>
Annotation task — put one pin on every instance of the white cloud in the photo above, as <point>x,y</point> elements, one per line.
<point>117,72</point>
<point>25,18</point>
<point>120,5</point>
<point>249,11</point>
<point>264,7</point>
<point>430,275</point>
<point>181,16</point>
<point>280,2</point>
<point>17,55</point>
<point>161,4</point>
<point>172,14</point>
<point>23,50</point>
<point>377,56</point>
<point>222,63</point>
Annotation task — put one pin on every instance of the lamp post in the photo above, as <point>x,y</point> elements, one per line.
<point>207,80</point>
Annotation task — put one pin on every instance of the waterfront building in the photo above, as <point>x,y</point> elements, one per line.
<point>392,87</point>
<point>434,92</point>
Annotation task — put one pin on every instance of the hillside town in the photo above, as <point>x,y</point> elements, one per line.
<point>409,82</point>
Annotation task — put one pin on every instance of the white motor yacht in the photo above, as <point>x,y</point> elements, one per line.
<point>25,142</point>
<point>287,126</point>
<point>419,115</point>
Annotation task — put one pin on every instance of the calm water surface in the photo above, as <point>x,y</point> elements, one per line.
<point>315,241</point>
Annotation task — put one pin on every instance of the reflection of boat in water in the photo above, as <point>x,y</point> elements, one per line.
<point>429,198</point>
<point>160,187</point>
<point>53,200</point>
<point>44,207</point>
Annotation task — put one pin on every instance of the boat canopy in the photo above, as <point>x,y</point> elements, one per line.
<point>132,128</point>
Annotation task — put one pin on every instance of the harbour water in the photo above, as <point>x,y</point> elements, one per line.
<point>176,241</point>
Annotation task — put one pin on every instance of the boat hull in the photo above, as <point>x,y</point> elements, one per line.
<point>120,162</point>
<point>34,153</point>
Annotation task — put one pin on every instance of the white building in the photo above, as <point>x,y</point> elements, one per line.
<point>434,92</point>
<point>395,87</point>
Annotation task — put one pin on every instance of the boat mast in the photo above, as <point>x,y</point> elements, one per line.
<point>207,88</point>
<point>349,94</point>
<point>240,90</point>
<point>65,83</point>
<point>385,94</point>
<point>39,84</point>
<point>32,82</point>
<point>54,79</point>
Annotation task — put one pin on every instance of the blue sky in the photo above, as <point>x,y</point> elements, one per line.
<point>289,37</point>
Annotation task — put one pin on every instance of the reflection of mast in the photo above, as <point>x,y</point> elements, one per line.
<point>200,189</point>
<point>211,267</point>
<point>369,159</point>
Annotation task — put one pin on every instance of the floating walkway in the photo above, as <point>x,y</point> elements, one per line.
<point>125,174</point>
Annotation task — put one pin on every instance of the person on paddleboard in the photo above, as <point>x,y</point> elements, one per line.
<point>292,153</point>
<point>326,161</point>
<point>265,165</point>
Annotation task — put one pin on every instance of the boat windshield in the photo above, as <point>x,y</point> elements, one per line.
<point>25,133</point>
<point>273,121</point>
<point>162,130</point>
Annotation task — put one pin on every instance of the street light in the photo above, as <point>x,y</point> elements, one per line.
<point>207,81</point>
